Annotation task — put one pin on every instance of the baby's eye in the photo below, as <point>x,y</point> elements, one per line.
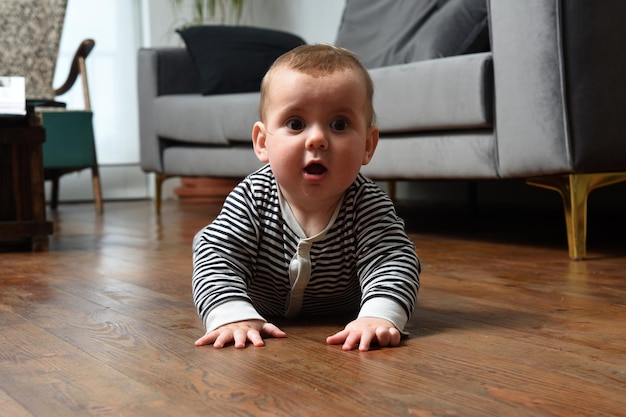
<point>339,124</point>
<point>295,124</point>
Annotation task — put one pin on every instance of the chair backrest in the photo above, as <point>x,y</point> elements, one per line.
<point>31,34</point>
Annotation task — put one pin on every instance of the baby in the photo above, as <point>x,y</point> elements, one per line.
<point>308,234</point>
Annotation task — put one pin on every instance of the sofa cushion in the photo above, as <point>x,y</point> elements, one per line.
<point>233,59</point>
<point>203,161</point>
<point>435,155</point>
<point>439,94</point>
<point>391,32</point>
<point>213,120</point>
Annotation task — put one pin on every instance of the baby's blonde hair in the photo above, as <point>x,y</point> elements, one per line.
<point>318,60</point>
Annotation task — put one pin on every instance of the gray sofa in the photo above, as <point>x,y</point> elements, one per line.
<point>545,103</point>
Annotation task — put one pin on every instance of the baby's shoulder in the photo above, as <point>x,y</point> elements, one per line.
<point>364,191</point>
<point>260,183</point>
<point>258,190</point>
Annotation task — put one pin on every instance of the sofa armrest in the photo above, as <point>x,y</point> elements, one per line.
<point>528,87</point>
<point>161,71</point>
<point>559,85</point>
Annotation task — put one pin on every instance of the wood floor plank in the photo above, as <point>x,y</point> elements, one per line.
<point>10,407</point>
<point>48,377</point>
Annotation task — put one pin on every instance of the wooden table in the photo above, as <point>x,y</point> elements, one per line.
<point>22,200</point>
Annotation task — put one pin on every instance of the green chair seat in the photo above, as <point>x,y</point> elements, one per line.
<point>69,141</point>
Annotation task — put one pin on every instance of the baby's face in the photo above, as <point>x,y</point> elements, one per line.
<point>316,133</point>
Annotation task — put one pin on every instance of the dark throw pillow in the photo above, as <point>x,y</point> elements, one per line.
<point>234,59</point>
<point>392,32</point>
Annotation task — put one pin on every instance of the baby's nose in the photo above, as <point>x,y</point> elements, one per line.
<point>317,139</point>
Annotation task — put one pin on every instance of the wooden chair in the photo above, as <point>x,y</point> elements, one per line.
<point>70,143</point>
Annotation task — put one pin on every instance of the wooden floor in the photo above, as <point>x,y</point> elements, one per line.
<point>104,324</point>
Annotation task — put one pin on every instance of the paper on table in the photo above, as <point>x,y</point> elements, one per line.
<point>12,95</point>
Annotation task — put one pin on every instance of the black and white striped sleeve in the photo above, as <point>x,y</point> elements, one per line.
<point>223,262</point>
<point>388,266</point>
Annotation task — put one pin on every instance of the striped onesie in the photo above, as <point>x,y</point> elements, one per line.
<point>254,261</point>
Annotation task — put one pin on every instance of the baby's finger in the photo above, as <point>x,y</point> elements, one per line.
<point>272,330</point>
<point>352,341</point>
<point>394,337</point>
<point>383,335</point>
<point>222,339</point>
<point>338,338</point>
<point>367,336</point>
<point>207,339</point>
<point>240,337</point>
<point>255,338</point>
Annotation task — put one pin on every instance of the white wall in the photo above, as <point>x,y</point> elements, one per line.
<point>119,28</point>
<point>314,20</point>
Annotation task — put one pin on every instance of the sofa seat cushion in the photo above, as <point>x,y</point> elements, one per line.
<point>435,155</point>
<point>212,120</point>
<point>210,161</point>
<point>441,94</point>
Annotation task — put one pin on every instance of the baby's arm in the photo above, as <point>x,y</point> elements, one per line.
<point>223,262</point>
<point>388,270</point>
<point>240,333</point>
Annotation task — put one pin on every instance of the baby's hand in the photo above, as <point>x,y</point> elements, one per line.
<point>362,332</point>
<point>239,333</point>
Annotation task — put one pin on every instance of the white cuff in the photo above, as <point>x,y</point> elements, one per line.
<point>385,308</point>
<point>230,312</point>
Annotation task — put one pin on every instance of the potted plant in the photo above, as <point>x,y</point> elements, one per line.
<point>209,11</point>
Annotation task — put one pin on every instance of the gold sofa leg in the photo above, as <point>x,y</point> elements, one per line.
<point>159,179</point>
<point>574,189</point>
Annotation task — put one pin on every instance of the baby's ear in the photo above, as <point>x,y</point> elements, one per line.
<point>259,134</point>
<point>370,144</point>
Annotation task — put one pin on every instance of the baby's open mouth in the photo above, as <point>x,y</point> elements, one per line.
<point>315,169</point>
